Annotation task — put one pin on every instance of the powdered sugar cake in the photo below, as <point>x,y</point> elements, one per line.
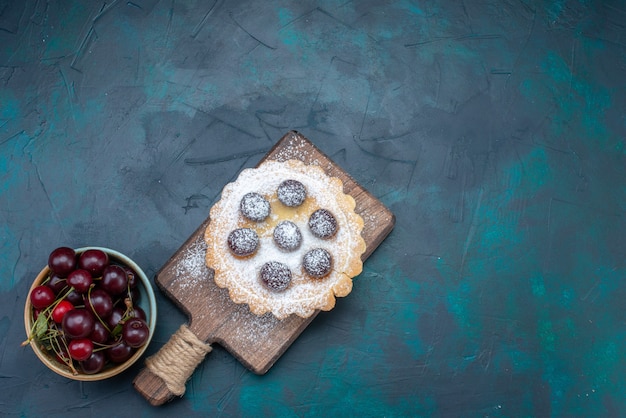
<point>238,271</point>
<point>257,341</point>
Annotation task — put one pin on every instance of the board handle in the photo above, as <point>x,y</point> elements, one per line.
<point>168,370</point>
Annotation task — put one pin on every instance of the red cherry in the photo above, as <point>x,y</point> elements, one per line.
<point>80,280</point>
<point>100,334</point>
<point>94,261</point>
<point>138,312</point>
<point>99,302</point>
<point>94,363</point>
<point>74,297</point>
<point>80,349</point>
<point>42,296</point>
<point>135,332</point>
<point>56,283</point>
<point>60,310</point>
<point>120,352</point>
<point>114,279</point>
<point>62,261</point>
<point>116,316</point>
<point>78,323</point>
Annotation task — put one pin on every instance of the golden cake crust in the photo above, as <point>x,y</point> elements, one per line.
<point>240,275</point>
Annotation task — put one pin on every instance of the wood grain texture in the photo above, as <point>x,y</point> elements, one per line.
<point>256,341</point>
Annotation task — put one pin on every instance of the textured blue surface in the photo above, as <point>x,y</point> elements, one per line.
<point>494,130</point>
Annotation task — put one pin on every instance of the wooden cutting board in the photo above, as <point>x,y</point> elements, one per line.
<point>257,342</point>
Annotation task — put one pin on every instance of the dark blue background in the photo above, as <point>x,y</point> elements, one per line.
<point>494,130</point>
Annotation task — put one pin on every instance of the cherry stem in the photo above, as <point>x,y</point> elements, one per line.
<point>94,311</point>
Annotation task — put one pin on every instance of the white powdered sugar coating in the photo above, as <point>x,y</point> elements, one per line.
<point>322,223</point>
<point>253,333</point>
<point>287,236</point>
<point>254,206</point>
<point>317,262</point>
<point>291,193</point>
<point>243,241</point>
<point>241,276</point>
<point>192,265</point>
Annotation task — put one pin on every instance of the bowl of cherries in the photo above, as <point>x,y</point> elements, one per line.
<point>90,313</point>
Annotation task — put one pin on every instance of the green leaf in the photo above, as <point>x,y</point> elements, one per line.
<point>41,326</point>
<point>117,330</point>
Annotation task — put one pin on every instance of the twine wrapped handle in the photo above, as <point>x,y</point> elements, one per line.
<point>175,362</point>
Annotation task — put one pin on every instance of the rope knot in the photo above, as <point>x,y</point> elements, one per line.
<point>178,358</point>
